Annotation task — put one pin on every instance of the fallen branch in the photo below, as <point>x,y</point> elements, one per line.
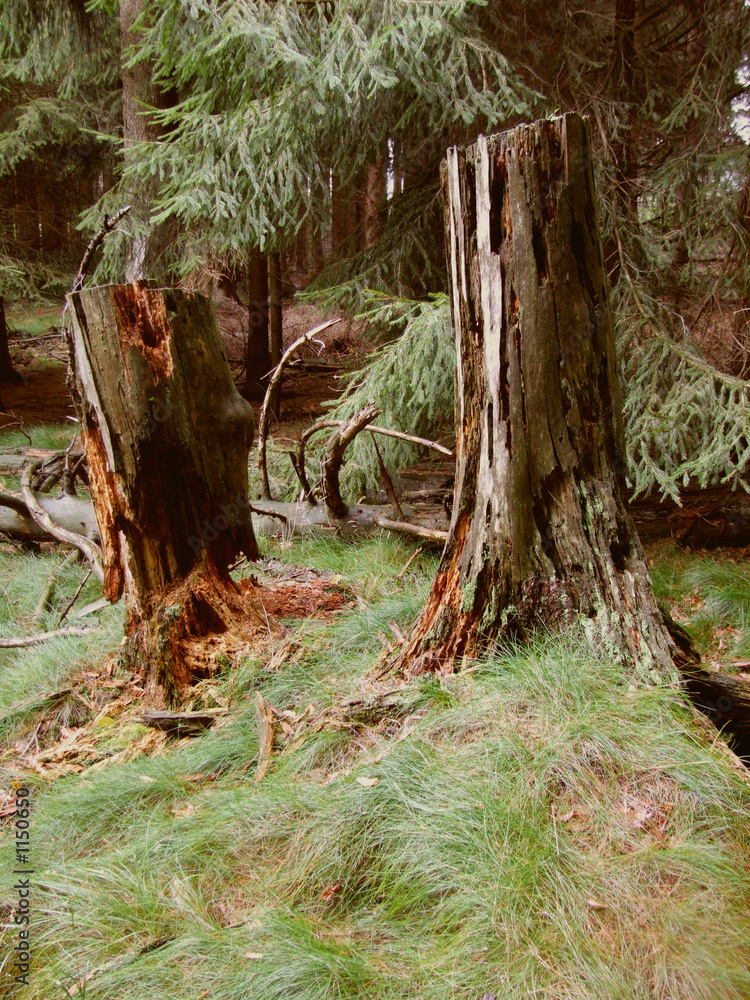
<point>334,455</point>
<point>373,428</point>
<point>74,598</point>
<point>412,557</point>
<point>45,599</point>
<point>264,722</point>
<point>73,513</point>
<point>405,527</point>
<point>90,550</point>
<point>18,642</point>
<point>390,489</point>
<point>265,413</point>
<point>109,223</point>
<point>180,723</point>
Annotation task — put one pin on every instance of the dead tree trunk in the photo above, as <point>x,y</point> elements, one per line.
<point>167,439</point>
<point>540,534</point>
<point>7,372</point>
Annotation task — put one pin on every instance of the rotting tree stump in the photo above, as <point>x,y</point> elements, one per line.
<point>167,437</point>
<point>540,534</point>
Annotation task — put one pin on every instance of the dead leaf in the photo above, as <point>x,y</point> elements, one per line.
<point>367,782</point>
<point>329,892</point>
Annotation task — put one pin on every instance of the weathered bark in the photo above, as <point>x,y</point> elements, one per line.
<point>7,372</point>
<point>167,439</point>
<point>540,534</point>
<point>258,356</point>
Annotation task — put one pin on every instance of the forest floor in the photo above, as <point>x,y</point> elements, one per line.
<point>536,825</point>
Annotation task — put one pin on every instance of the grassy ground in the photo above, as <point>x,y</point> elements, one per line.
<point>535,826</point>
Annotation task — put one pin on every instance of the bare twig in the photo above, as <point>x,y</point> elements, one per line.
<point>17,642</point>
<point>109,223</point>
<point>43,519</point>
<point>267,407</point>
<point>425,442</point>
<point>74,598</point>
<point>45,599</point>
<point>390,489</point>
<point>335,448</point>
<point>412,557</point>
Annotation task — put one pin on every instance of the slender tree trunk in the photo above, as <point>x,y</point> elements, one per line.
<point>7,372</point>
<point>339,217</point>
<point>374,201</point>
<point>275,324</point>
<point>167,439</point>
<point>145,258</point>
<point>275,302</point>
<point>540,534</point>
<point>258,356</point>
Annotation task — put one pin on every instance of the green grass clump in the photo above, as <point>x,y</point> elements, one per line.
<point>56,437</point>
<point>710,594</point>
<point>537,828</point>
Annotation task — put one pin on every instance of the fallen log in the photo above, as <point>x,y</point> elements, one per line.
<point>90,550</point>
<point>180,723</point>
<point>73,513</point>
<point>725,700</point>
<point>705,519</point>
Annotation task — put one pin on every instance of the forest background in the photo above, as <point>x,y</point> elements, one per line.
<point>536,824</point>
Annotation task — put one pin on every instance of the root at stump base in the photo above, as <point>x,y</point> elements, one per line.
<point>194,630</point>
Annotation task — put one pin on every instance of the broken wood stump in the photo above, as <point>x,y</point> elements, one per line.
<point>167,437</point>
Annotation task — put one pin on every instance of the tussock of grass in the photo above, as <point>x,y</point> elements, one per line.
<point>53,436</point>
<point>712,595</point>
<point>536,829</point>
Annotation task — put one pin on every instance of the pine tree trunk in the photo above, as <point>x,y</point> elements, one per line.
<point>275,301</point>
<point>7,372</point>
<point>374,201</point>
<point>275,318</point>
<point>258,355</point>
<point>147,249</point>
<point>540,534</point>
<point>167,438</point>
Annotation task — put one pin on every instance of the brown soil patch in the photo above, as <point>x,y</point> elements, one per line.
<point>42,399</point>
<point>313,599</point>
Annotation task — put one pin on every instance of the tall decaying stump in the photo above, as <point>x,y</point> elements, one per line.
<point>540,534</point>
<point>167,437</point>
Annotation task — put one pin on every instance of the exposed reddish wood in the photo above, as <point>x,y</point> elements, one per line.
<point>540,534</point>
